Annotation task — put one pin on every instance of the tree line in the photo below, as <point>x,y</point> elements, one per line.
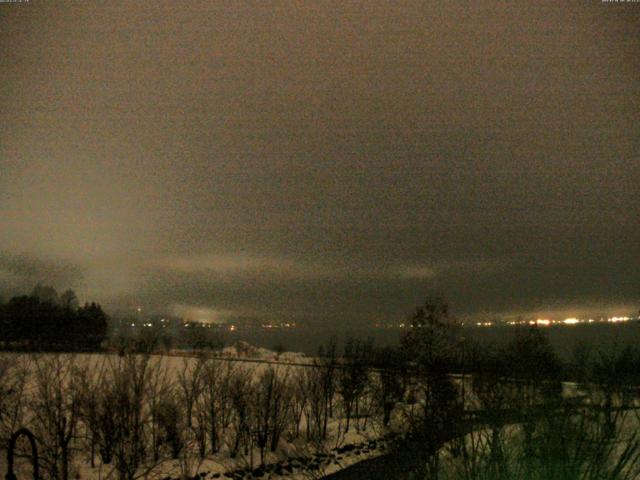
<point>454,408</point>
<point>46,320</point>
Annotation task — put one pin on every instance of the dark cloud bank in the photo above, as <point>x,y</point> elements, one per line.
<point>323,160</point>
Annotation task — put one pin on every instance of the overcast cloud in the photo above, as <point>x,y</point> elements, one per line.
<point>322,160</point>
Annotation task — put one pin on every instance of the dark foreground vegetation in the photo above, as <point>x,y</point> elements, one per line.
<point>516,412</point>
<point>438,407</point>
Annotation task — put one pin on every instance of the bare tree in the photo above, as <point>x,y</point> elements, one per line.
<point>299,400</point>
<point>327,357</point>
<point>171,421</point>
<point>240,394</point>
<point>160,385</point>
<point>100,413</point>
<point>432,343</point>
<point>126,385</point>
<point>14,376</point>
<point>391,380</point>
<point>271,408</point>
<point>214,408</point>
<point>190,388</point>
<point>353,377</point>
<point>88,414</point>
<point>316,412</point>
<point>56,409</point>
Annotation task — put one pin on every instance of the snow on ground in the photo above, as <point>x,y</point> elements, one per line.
<point>244,350</point>
<point>296,459</point>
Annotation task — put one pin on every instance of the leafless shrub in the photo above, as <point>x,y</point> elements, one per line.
<point>271,408</point>
<point>125,384</point>
<point>159,386</point>
<point>14,375</point>
<point>299,399</point>
<point>240,394</point>
<point>171,422</point>
<point>214,407</point>
<point>389,384</point>
<point>89,410</point>
<point>353,378</point>
<point>56,409</point>
<point>316,411</point>
<point>190,388</point>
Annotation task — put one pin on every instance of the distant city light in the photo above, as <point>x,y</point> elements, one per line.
<point>618,319</point>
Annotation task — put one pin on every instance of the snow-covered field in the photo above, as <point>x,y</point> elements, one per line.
<point>299,452</point>
<point>242,412</point>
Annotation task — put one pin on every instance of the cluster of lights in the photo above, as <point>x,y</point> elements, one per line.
<point>542,322</point>
<point>618,319</point>
<point>230,327</point>
<point>389,325</point>
<point>545,322</point>
<point>396,325</point>
<point>202,324</point>
<point>278,325</point>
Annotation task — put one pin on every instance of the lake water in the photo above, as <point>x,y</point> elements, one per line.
<point>563,338</point>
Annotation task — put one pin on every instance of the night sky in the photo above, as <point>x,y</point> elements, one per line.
<point>322,161</point>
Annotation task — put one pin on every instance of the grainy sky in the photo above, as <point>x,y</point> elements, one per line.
<point>332,161</point>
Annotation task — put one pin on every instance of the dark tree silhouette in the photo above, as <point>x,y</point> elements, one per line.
<point>69,300</point>
<point>41,320</point>
<point>46,294</point>
<point>392,379</point>
<point>433,345</point>
<point>91,324</point>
